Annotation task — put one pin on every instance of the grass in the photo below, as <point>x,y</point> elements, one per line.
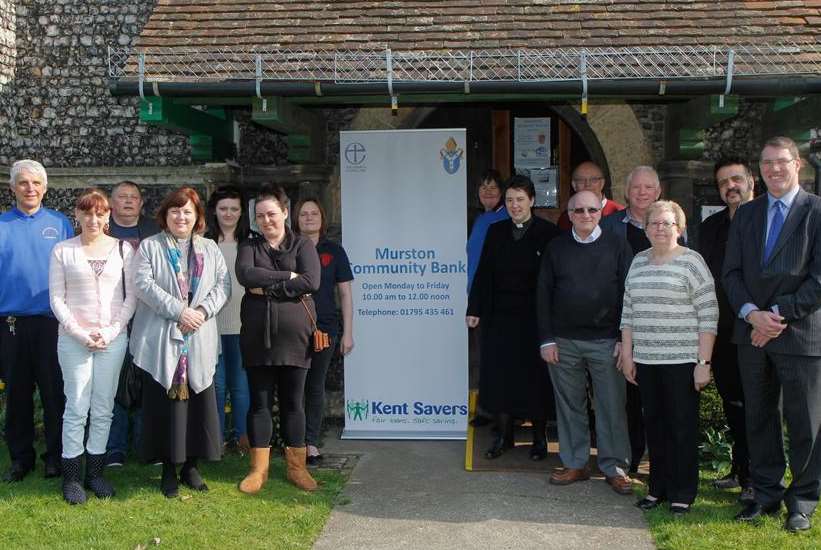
<point>34,514</point>
<point>710,526</point>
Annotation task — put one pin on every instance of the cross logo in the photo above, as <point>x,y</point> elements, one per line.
<point>355,153</point>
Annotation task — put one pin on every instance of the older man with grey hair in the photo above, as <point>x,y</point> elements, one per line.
<point>579,300</point>
<point>28,329</point>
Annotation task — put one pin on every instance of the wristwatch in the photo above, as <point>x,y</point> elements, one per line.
<point>703,363</point>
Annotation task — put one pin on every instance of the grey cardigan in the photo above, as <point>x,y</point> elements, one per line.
<point>156,340</point>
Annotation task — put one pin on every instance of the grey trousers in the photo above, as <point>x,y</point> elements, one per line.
<point>569,378</point>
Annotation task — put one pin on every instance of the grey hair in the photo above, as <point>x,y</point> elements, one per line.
<point>641,169</point>
<point>27,165</point>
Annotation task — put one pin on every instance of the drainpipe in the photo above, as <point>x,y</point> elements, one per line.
<point>751,86</point>
<point>815,159</point>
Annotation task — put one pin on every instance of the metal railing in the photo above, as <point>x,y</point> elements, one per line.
<point>352,66</point>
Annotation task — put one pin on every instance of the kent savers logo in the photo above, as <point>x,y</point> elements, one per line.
<point>363,409</point>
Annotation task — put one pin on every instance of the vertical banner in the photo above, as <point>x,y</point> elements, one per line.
<point>404,224</point>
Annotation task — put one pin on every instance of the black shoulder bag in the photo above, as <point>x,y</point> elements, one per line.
<point>130,388</point>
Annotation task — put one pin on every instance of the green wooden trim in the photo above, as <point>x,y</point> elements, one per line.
<point>161,111</point>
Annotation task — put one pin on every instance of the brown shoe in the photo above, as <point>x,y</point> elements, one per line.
<point>297,472</point>
<point>566,476</point>
<point>621,484</point>
<point>258,475</point>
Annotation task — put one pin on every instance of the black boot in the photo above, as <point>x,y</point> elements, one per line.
<point>191,477</point>
<point>94,476</point>
<point>504,437</point>
<point>168,483</point>
<point>73,492</point>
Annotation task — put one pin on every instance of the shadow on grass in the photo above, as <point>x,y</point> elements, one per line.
<point>711,525</point>
<point>34,514</point>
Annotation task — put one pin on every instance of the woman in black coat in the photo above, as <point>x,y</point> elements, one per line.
<point>513,381</point>
<point>279,270</point>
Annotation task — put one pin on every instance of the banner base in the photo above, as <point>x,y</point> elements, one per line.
<point>394,434</point>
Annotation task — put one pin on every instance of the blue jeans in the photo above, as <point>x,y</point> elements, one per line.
<point>230,371</point>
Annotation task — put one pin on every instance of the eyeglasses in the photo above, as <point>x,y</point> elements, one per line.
<point>662,224</point>
<point>737,178</point>
<point>590,210</point>
<point>769,163</point>
<point>588,181</point>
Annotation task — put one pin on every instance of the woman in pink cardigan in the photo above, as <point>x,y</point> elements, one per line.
<point>92,295</point>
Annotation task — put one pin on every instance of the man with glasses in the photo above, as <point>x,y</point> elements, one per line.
<point>579,298</point>
<point>589,177</point>
<point>735,186</point>
<point>772,277</point>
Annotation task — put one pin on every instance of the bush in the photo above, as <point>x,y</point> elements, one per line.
<point>711,411</point>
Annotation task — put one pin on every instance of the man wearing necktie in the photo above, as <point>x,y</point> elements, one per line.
<point>772,277</point>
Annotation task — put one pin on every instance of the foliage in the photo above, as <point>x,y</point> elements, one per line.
<point>711,411</point>
<point>715,450</point>
<point>281,516</point>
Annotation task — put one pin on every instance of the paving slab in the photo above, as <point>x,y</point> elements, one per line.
<point>417,495</point>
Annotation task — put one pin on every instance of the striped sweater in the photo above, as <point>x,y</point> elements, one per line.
<point>667,306</point>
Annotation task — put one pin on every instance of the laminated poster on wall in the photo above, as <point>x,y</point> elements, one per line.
<point>404,228</point>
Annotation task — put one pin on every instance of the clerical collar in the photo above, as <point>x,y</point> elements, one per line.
<point>524,224</point>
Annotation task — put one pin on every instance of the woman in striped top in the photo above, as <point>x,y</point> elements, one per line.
<point>669,322</point>
<point>92,296</point>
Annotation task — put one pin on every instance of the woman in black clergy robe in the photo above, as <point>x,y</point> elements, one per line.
<point>513,380</point>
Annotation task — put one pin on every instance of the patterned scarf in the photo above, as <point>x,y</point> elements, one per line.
<point>188,288</point>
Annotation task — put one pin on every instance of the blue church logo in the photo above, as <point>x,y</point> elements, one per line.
<point>355,153</point>
<point>451,156</point>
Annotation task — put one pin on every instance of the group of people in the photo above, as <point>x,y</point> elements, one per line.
<point>618,303</point>
<point>196,302</point>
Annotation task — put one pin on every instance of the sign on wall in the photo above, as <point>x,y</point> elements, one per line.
<point>403,223</point>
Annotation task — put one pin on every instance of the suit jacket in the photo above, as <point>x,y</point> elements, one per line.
<point>791,278</point>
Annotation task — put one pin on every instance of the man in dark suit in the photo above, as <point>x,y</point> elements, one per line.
<point>735,186</point>
<point>772,277</point>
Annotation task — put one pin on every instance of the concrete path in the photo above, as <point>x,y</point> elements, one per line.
<point>417,495</point>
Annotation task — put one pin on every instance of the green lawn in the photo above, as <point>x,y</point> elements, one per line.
<point>710,526</point>
<point>34,515</point>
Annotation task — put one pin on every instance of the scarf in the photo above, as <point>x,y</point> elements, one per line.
<point>188,287</point>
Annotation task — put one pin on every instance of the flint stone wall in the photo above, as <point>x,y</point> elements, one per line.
<point>58,109</point>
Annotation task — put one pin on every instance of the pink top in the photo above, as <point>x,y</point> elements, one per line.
<point>85,302</point>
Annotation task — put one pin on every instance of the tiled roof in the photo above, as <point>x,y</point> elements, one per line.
<point>475,24</point>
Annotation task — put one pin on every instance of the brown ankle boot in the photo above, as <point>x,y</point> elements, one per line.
<point>258,474</point>
<point>297,472</point>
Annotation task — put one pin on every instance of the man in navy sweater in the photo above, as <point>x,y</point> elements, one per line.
<point>579,293</point>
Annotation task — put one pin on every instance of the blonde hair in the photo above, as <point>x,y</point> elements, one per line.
<point>667,206</point>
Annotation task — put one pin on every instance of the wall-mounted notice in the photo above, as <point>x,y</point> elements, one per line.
<point>403,224</point>
<point>531,143</point>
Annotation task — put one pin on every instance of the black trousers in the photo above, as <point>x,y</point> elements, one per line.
<point>315,393</point>
<point>290,385</point>
<point>728,383</point>
<point>635,425</point>
<point>765,376</point>
<point>30,356</point>
<point>671,418</point>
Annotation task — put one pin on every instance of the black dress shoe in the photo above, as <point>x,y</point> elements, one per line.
<point>648,504</point>
<point>753,511</point>
<point>538,451</point>
<point>797,522</point>
<point>500,445</point>
<point>17,472</point>
<point>679,510</point>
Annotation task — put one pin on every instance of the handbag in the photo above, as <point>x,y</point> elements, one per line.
<point>321,339</point>
<point>130,387</point>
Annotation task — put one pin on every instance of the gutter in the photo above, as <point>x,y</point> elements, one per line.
<point>766,86</point>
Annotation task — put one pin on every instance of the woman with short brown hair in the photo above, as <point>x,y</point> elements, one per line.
<point>182,282</point>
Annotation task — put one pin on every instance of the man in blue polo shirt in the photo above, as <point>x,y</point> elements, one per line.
<point>28,329</point>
